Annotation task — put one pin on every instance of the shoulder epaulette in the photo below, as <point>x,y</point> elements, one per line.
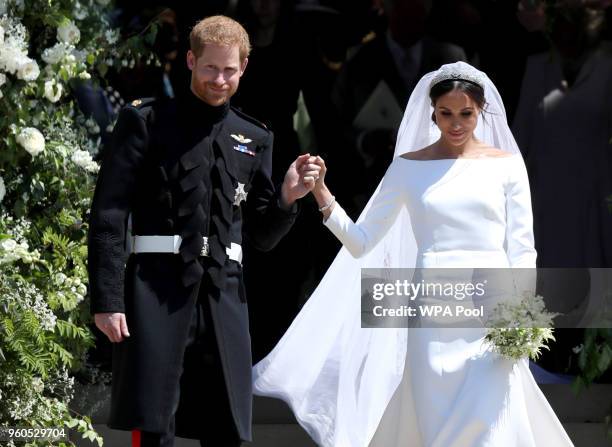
<point>249,118</point>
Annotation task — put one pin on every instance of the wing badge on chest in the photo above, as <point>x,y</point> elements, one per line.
<point>242,146</point>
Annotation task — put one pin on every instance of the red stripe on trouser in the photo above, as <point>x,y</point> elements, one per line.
<point>135,438</point>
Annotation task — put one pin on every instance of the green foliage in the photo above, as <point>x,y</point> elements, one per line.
<point>47,177</point>
<point>594,356</point>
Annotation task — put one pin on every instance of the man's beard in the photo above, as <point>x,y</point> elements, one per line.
<point>219,95</point>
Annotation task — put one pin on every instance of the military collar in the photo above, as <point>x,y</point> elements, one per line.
<point>195,109</point>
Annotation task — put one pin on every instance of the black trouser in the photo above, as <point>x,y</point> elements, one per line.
<point>201,366</point>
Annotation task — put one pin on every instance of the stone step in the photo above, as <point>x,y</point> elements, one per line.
<point>590,405</point>
<point>585,434</point>
<point>265,435</point>
<point>274,424</point>
<point>283,435</point>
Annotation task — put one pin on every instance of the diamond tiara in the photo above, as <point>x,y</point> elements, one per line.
<point>462,72</point>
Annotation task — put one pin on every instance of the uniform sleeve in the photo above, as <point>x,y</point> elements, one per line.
<point>111,205</point>
<point>519,218</point>
<point>361,238</point>
<point>266,223</point>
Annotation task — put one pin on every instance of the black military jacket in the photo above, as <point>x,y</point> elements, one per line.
<point>180,168</point>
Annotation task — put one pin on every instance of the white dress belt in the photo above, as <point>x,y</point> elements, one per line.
<point>171,244</point>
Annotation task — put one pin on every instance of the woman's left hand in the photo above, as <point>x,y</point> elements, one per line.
<point>319,181</point>
<point>312,173</point>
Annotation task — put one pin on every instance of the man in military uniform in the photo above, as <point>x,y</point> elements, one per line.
<point>188,175</point>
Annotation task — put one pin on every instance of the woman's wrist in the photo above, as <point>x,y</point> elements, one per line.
<point>325,200</point>
<point>322,195</point>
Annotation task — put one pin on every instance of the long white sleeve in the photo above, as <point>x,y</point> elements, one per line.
<point>519,218</point>
<point>360,238</point>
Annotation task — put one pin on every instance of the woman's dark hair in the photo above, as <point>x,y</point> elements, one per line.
<point>473,90</point>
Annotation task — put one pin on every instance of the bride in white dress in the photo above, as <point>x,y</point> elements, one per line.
<point>460,201</point>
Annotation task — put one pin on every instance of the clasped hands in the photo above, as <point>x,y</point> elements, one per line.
<point>306,174</point>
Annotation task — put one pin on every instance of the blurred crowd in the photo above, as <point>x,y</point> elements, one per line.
<point>332,77</point>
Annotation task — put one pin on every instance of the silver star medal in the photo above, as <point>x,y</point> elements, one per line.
<point>240,194</point>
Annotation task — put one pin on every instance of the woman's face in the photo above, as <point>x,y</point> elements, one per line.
<point>456,117</point>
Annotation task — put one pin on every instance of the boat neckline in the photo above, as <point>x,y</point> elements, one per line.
<point>461,158</point>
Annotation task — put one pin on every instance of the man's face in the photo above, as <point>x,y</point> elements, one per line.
<point>215,75</point>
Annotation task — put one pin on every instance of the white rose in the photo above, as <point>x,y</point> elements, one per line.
<point>11,58</point>
<point>31,140</point>
<point>8,245</point>
<point>68,32</point>
<point>53,90</point>
<point>60,278</point>
<point>2,189</point>
<point>84,75</point>
<point>83,160</point>
<point>28,71</point>
<point>56,53</point>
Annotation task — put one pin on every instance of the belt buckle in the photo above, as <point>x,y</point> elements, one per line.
<point>205,248</point>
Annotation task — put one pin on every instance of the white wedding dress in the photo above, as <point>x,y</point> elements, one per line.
<point>445,389</point>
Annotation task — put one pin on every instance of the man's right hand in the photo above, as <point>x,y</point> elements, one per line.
<point>113,324</point>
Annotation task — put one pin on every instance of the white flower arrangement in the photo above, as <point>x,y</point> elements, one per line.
<point>56,53</point>
<point>53,90</point>
<point>83,160</point>
<point>520,328</point>
<point>32,140</point>
<point>28,70</point>
<point>11,251</point>
<point>68,33</point>
<point>45,51</point>
<point>14,50</point>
